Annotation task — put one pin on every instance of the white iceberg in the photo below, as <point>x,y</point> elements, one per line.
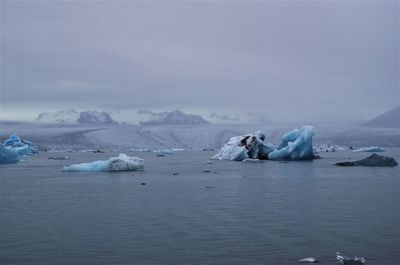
<point>8,155</point>
<point>139,149</point>
<point>370,149</point>
<point>120,163</point>
<point>22,147</point>
<point>295,145</point>
<point>249,146</point>
<point>327,148</point>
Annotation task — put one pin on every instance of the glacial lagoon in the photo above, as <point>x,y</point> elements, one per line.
<point>187,209</point>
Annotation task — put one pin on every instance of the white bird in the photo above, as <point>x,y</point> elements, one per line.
<point>312,260</point>
<point>346,260</point>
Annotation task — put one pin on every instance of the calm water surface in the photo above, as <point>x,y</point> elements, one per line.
<point>220,213</point>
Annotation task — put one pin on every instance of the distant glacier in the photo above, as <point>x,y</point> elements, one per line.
<point>123,137</point>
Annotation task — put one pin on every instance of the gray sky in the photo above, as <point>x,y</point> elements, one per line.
<point>286,60</point>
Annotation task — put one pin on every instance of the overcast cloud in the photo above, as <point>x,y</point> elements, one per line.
<point>286,60</point>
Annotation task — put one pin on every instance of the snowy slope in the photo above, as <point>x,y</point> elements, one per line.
<point>389,119</point>
<point>63,116</point>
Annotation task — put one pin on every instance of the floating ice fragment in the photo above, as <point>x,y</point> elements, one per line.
<point>163,152</point>
<point>312,260</point>
<point>139,149</point>
<point>327,148</point>
<point>350,260</point>
<point>370,149</point>
<point>120,163</point>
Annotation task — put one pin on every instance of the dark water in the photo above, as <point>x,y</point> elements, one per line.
<point>238,213</point>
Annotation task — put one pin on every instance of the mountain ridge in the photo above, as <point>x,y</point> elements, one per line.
<point>71,116</point>
<point>388,119</point>
<point>175,117</point>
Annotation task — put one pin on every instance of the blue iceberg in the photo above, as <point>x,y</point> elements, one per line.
<point>370,149</point>
<point>8,155</point>
<point>163,152</point>
<point>22,147</point>
<point>14,147</point>
<point>120,163</point>
<point>295,145</point>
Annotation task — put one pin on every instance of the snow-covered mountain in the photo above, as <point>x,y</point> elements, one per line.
<point>72,116</point>
<point>389,119</point>
<point>175,117</point>
<point>96,117</point>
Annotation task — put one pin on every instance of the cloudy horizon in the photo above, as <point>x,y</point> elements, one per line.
<point>278,60</point>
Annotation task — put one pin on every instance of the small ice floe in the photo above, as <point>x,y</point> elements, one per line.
<point>60,158</point>
<point>327,148</point>
<point>139,149</point>
<point>98,151</point>
<point>346,260</point>
<point>163,152</point>
<point>311,260</point>
<point>208,149</point>
<point>179,149</point>
<point>120,163</point>
<point>251,160</point>
<point>370,149</point>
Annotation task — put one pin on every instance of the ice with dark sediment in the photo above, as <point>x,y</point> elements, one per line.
<point>249,146</point>
<point>346,260</point>
<point>327,148</point>
<point>295,145</point>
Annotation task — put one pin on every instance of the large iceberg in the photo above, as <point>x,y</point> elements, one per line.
<point>120,163</point>
<point>14,147</point>
<point>8,155</point>
<point>244,147</point>
<point>22,147</point>
<point>295,145</point>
